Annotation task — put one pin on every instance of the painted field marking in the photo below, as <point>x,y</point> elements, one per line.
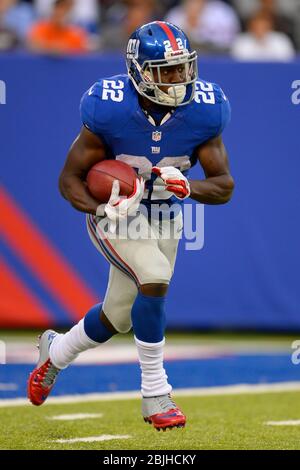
<point>103,437</point>
<point>291,422</point>
<point>75,416</point>
<point>8,387</point>
<point>238,389</point>
<point>21,352</point>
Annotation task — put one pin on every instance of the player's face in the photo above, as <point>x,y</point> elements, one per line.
<point>170,74</point>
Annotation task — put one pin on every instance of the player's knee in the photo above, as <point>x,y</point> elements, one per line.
<point>158,273</point>
<point>123,326</point>
<point>119,316</point>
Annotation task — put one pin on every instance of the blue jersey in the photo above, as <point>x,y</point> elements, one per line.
<point>111,110</point>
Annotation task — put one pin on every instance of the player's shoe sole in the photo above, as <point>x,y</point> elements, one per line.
<point>155,420</point>
<point>43,377</point>
<point>162,413</point>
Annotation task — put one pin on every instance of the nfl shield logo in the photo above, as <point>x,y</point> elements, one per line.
<point>156,136</point>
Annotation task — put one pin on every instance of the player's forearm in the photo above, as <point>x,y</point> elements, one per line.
<point>75,191</point>
<point>214,190</point>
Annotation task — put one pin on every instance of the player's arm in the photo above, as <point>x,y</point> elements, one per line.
<point>218,186</point>
<point>86,150</point>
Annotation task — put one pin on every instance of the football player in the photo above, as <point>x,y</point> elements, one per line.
<point>161,119</point>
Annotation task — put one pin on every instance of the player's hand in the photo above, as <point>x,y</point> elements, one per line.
<point>174,181</point>
<point>119,207</point>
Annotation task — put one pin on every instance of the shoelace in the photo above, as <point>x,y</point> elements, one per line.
<point>50,375</point>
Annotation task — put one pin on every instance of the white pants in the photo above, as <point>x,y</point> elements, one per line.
<point>134,262</point>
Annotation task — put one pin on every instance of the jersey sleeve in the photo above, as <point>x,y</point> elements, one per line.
<point>211,111</point>
<point>224,110</point>
<point>94,112</point>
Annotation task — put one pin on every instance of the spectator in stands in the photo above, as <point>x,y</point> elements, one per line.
<point>212,25</point>
<point>8,38</point>
<point>56,35</point>
<point>247,8</point>
<point>284,13</point>
<point>86,13</point>
<point>261,42</point>
<point>123,18</point>
<point>15,20</point>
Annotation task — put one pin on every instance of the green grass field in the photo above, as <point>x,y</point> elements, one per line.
<point>214,422</point>
<point>219,422</point>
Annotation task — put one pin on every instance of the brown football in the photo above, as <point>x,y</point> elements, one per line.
<point>101,176</point>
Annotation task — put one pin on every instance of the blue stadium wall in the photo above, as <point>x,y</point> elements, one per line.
<point>247,274</point>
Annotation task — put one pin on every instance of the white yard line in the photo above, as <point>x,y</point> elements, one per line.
<point>24,353</point>
<point>291,422</point>
<point>8,387</point>
<point>103,437</point>
<point>238,389</point>
<point>75,416</point>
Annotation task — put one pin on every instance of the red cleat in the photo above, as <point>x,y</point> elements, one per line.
<point>162,412</point>
<point>43,377</point>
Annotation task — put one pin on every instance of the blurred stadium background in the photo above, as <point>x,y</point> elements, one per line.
<point>243,286</point>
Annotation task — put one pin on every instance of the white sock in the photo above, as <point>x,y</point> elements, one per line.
<point>154,377</point>
<point>66,347</point>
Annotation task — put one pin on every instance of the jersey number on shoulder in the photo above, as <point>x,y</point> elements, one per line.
<point>204,92</point>
<point>113,90</point>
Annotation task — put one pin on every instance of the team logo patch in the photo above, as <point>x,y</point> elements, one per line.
<point>155,150</point>
<point>156,136</point>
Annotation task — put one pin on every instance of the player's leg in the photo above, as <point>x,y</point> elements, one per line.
<point>170,232</point>
<point>119,297</point>
<point>159,409</point>
<point>57,351</point>
<point>122,290</point>
<point>144,262</point>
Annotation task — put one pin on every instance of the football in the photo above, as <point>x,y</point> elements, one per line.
<point>101,176</point>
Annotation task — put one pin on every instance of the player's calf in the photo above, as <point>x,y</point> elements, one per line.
<point>43,377</point>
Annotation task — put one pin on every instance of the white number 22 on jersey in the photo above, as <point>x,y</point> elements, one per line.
<point>204,92</point>
<point>113,90</point>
